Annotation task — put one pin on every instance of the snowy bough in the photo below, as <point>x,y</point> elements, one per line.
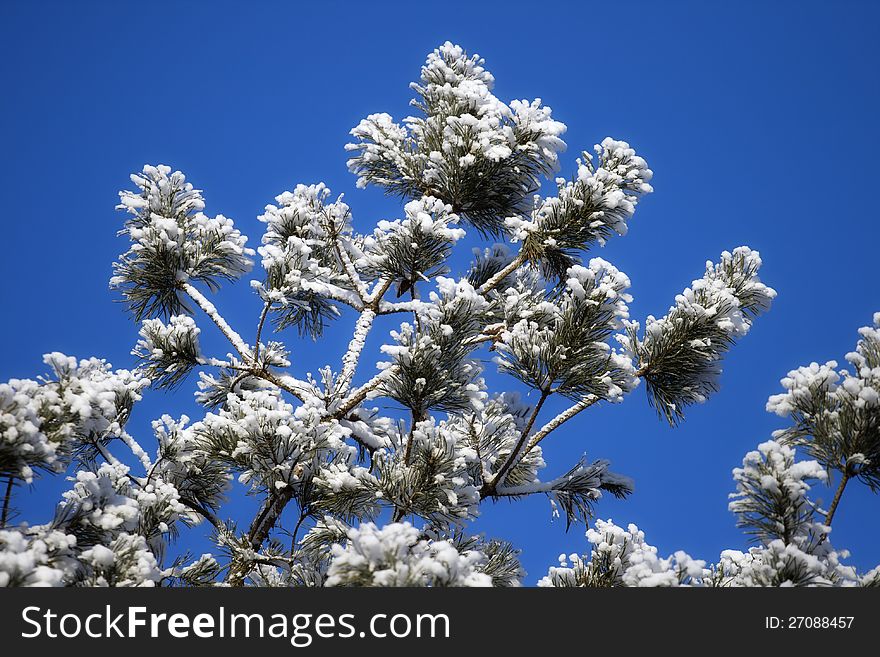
<point>349,494</point>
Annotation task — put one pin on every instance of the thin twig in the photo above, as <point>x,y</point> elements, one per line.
<point>276,381</point>
<point>204,512</point>
<point>493,282</point>
<point>512,458</point>
<point>350,271</point>
<point>6,501</point>
<point>559,420</point>
<point>829,516</point>
<point>211,311</point>
<point>378,293</point>
<point>358,396</point>
<point>260,330</point>
<point>302,516</point>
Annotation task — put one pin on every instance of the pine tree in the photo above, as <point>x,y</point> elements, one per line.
<point>379,498</point>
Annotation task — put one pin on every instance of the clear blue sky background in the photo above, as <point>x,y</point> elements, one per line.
<point>759,120</point>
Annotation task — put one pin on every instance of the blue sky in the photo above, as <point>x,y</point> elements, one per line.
<point>758,119</point>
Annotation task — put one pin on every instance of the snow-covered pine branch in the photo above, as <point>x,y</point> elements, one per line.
<point>771,499</point>
<point>397,555</point>
<point>415,248</point>
<point>173,242</point>
<point>563,347</point>
<point>168,352</point>
<point>80,405</point>
<point>622,557</point>
<point>834,414</point>
<point>679,355</point>
<point>305,280</point>
<point>589,209</point>
<point>481,156</point>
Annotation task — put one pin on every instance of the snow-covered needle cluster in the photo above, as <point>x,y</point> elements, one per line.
<point>680,354</point>
<point>397,555</point>
<point>371,476</point>
<point>172,243</point>
<point>483,157</point>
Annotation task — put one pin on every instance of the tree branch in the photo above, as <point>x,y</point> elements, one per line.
<point>416,418</point>
<point>512,458</point>
<point>512,266</point>
<point>268,517</point>
<point>208,308</point>
<point>529,489</point>
<point>350,271</point>
<point>136,449</point>
<point>829,516</point>
<point>102,450</point>
<point>287,383</point>
<point>336,293</point>
<point>7,497</point>
<point>355,347</point>
<point>205,513</point>
<point>263,315</point>
<point>348,404</point>
<point>375,297</point>
<point>559,420</point>
<point>389,308</point>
